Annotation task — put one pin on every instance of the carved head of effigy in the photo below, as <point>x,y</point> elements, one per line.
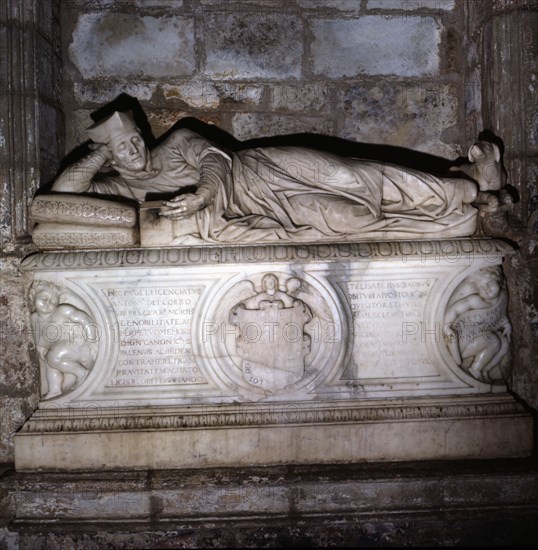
<point>120,133</point>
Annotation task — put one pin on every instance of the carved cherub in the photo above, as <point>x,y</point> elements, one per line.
<point>63,336</point>
<point>477,328</point>
<point>272,294</point>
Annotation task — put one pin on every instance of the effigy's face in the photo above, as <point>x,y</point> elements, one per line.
<point>129,151</point>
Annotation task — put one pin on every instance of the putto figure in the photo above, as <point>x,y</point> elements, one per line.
<point>64,336</point>
<point>271,194</point>
<point>477,327</point>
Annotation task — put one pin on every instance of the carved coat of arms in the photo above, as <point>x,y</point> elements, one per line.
<point>271,339</point>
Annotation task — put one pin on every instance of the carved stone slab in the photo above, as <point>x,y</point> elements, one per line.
<point>334,335</point>
<point>63,221</point>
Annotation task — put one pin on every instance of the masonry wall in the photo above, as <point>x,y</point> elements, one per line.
<point>427,75</point>
<point>366,71</point>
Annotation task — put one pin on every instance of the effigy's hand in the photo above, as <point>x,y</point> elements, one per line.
<point>104,150</point>
<point>182,206</point>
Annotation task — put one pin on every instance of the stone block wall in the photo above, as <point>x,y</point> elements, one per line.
<point>375,71</point>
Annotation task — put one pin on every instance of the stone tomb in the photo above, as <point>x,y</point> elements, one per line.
<point>262,355</point>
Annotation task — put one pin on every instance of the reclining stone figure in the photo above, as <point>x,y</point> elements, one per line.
<point>271,194</point>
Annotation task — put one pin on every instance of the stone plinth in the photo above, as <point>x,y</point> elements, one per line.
<point>437,503</point>
<point>221,356</point>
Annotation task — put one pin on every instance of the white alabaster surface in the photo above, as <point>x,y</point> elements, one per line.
<point>255,355</point>
<point>210,325</point>
<point>202,192</point>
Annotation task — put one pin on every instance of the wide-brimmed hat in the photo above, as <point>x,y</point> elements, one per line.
<point>115,125</point>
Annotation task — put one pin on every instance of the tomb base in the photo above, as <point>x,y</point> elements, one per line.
<point>209,357</point>
<point>421,504</point>
<point>231,435</point>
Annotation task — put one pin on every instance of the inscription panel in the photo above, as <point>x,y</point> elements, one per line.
<point>389,330</point>
<point>177,334</point>
<point>154,335</point>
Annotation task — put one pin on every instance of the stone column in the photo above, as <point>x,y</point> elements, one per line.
<point>31,125</point>
<point>31,147</point>
<point>508,45</point>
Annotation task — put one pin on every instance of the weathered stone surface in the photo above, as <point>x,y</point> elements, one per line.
<point>322,5</point>
<point>51,125</point>
<point>143,4</point>
<point>100,91</point>
<point>505,5</point>
<point>376,45</point>
<point>161,120</point>
<point>522,273</point>
<point>92,4</point>
<point>13,412</point>
<point>169,4</point>
<point>8,539</point>
<point>315,96</point>
<point>240,93</point>
<point>122,44</point>
<point>18,381</point>
<point>196,94</point>
<point>213,95</point>
<point>254,125</point>
<point>412,116</point>
<point>28,67</point>
<point>45,69</point>
<point>77,124</point>
<point>419,504</point>
<point>249,46</point>
<point>411,5</point>
<point>46,18</point>
<point>252,3</point>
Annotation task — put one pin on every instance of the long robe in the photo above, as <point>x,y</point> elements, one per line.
<point>296,194</point>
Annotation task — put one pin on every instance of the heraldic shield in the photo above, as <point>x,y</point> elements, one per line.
<point>271,341</point>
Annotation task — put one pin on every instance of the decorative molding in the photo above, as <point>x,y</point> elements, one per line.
<point>78,239</point>
<point>449,250</point>
<point>52,208</point>
<point>95,419</point>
